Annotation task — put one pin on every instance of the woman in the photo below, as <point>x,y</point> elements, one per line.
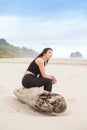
<point>36,75</point>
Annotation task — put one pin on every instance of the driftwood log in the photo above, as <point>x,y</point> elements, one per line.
<point>41,100</point>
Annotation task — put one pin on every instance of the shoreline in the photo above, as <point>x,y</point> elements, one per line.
<point>65,61</point>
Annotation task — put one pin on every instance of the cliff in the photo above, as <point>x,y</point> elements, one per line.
<point>8,50</point>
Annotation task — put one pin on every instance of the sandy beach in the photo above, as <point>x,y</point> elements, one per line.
<point>72,85</point>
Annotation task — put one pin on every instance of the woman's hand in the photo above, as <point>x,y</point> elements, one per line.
<point>54,80</point>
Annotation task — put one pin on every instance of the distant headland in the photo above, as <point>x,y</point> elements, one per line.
<point>8,50</point>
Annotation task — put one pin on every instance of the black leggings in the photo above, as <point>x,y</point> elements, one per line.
<point>30,81</point>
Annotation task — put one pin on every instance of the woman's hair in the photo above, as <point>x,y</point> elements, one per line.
<point>44,52</point>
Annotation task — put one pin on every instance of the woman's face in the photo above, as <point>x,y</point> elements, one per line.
<point>48,54</point>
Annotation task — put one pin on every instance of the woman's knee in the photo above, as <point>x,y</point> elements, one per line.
<point>48,85</point>
<point>49,81</point>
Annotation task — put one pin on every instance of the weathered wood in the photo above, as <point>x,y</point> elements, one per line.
<point>41,100</point>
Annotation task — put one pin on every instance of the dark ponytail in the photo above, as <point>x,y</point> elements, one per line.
<point>43,52</point>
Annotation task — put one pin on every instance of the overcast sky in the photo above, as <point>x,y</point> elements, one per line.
<point>41,23</point>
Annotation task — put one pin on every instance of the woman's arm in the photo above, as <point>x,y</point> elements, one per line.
<point>40,63</point>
